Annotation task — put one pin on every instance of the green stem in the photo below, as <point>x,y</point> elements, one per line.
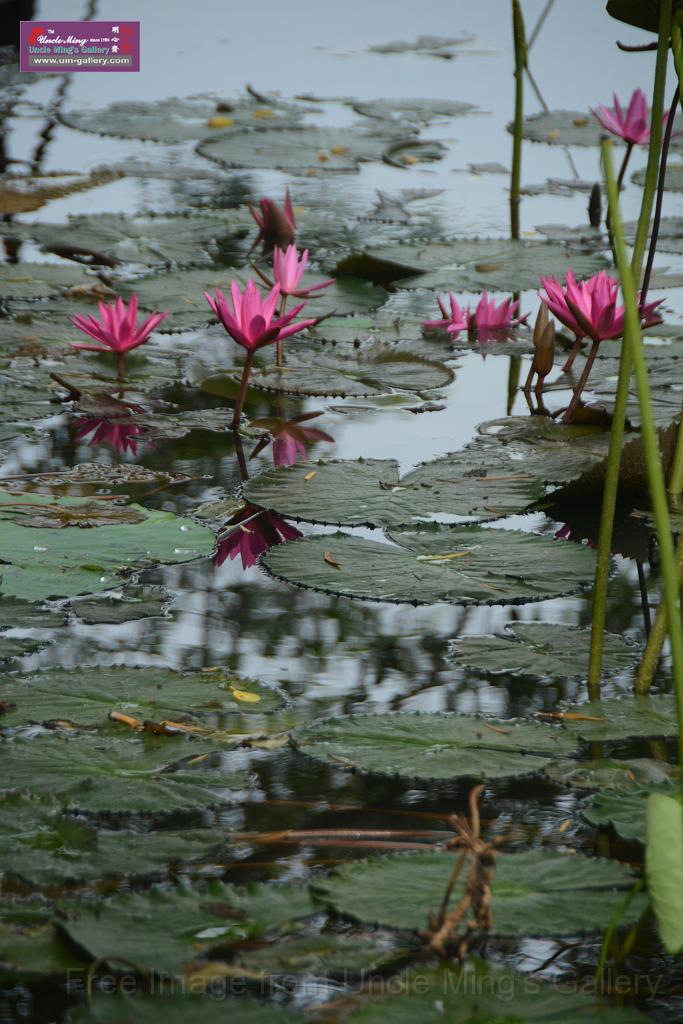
<point>676,475</point>
<point>120,364</point>
<point>513,381</point>
<point>609,500</point>
<point>280,345</point>
<point>520,64</point>
<point>242,393</point>
<point>655,641</point>
<point>655,473</point>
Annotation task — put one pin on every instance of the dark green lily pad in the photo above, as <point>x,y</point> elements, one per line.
<point>19,615</point>
<point>118,1008</point>
<point>29,945</point>
<point>544,650</point>
<point>478,993</point>
<point>469,264</point>
<point>329,954</point>
<point>623,718</point>
<point>537,893</point>
<point>40,563</point>
<point>86,696</point>
<point>40,280</point>
<point>433,746</point>
<point>625,813</point>
<point>473,482</point>
<point>44,845</point>
<point>467,565</point>
<point>94,773</point>
<point>611,774</point>
<point>151,239</point>
<point>177,120</point>
<point>164,931</point>
<point>300,150</point>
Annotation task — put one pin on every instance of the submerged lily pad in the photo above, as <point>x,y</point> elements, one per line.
<point>132,603</point>
<point>163,931</point>
<point>477,992</point>
<point>432,746</point>
<point>39,563</point>
<point>535,893</point>
<point>467,565</point>
<point>371,493</point>
<point>176,120</point>
<point>44,845</point>
<point>300,150</point>
<point>469,264</point>
<point>543,649</point>
<point>94,773</point>
<point>87,696</point>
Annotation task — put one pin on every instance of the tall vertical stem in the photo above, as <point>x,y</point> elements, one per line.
<point>609,499</point>
<point>520,63</point>
<point>242,393</point>
<point>655,641</point>
<point>280,345</point>
<point>655,473</point>
<point>660,197</point>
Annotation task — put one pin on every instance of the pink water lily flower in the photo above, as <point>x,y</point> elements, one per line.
<point>277,226</point>
<point>117,330</point>
<point>251,320</point>
<point>289,268</point>
<point>488,321</point>
<point>634,125</point>
<point>119,435</point>
<point>253,531</point>
<point>589,308</point>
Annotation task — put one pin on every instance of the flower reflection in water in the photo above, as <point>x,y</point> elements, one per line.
<point>121,435</point>
<point>289,437</point>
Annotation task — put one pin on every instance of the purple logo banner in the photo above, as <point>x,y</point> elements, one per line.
<point>79,46</point>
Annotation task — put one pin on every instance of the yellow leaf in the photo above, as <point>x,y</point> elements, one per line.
<point>245,695</point>
<point>309,476</point>
<point>220,122</point>
<point>331,560</point>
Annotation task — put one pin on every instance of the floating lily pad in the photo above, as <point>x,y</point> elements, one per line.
<point>544,650</point>
<point>19,615</point>
<point>670,237</point>
<point>327,955</point>
<point>445,47</point>
<point>673,180</point>
<point>116,1008</point>
<point>51,513</point>
<point>39,563</point>
<point>29,945</point>
<point>623,718</point>
<point>563,128</point>
<point>94,773</point>
<point>164,931</point>
<point>44,845</point>
<point>478,992</point>
<point>537,893</point>
<point>300,150</point>
<point>433,746</point>
<point>177,120</point>
<point>415,111</point>
<point>40,280</point>
<point>28,192</point>
<point>151,239</point>
<point>625,813</point>
<point>33,338</point>
<point>469,264</point>
<point>86,696</point>
<point>611,774</point>
<point>468,565</point>
<point>371,493</point>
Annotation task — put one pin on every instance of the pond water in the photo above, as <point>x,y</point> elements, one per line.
<point>327,655</point>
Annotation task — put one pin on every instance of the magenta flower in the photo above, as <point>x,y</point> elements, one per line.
<point>117,331</point>
<point>118,435</point>
<point>488,321</point>
<point>288,269</point>
<point>277,227</point>
<point>250,319</point>
<point>253,531</point>
<point>634,125</point>
<point>588,308</point>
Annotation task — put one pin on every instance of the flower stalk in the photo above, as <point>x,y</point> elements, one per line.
<point>655,473</point>
<point>609,498</point>
<point>519,42</point>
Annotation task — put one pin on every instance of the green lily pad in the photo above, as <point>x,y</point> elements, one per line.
<point>445,47</point>
<point>611,774</point>
<point>34,337</point>
<point>86,696</point>
<point>432,746</point>
<point>118,1008</point>
<point>474,482</point>
<point>44,845</point>
<point>563,128</point>
<point>535,893</point>
<point>669,239</point>
<point>623,718</point>
<point>151,239</point>
<point>673,180</point>
<point>40,280</point>
<point>625,813</point>
<point>415,111</point>
<point>94,773</point>
<point>136,602</point>
<point>29,945</point>
<point>164,931</point>
<point>300,150</point>
<point>664,867</point>
<point>544,650</point>
<point>466,565</point>
<point>19,615</point>
<point>478,993</point>
<point>469,264</point>
<point>177,120</point>
<point>41,563</point>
